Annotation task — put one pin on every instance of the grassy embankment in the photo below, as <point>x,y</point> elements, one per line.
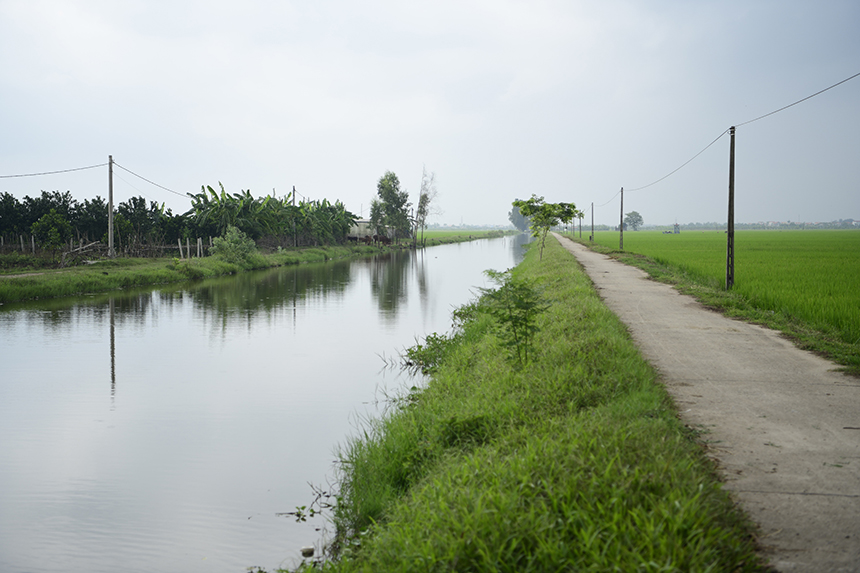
<point>801,283</point>
<point>26,278</point>
<point>576,461</point>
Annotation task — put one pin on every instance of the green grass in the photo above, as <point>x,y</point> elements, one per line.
<point>803,283</point>
<point>576,461</point>
<point>438,237</point>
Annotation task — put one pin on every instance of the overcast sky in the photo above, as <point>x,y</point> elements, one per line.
<point>501,99</point>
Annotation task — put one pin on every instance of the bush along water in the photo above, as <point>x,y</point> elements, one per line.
<point>237,248</point>
<point>565,456</point>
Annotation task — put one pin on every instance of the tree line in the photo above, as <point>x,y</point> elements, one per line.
<point>55,218</point>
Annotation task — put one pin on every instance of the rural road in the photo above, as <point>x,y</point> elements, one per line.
<point>783,426</point>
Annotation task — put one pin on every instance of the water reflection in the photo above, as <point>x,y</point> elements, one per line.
<point>162,429</point>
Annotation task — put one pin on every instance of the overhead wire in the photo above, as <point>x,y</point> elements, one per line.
<point>53,172</point>
<point>121,178</point>
<point>798,101</point>
<point>148,181</point>
<point>611,200</point>
<point>682,165</point>
<point>727,130</point>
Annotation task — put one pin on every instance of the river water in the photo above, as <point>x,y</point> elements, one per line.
<point>165,429</point>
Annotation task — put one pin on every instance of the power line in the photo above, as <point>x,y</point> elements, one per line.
<point>150,182</point>
<point>683,165</point>
<point>53,172</point>
<point>132,186</point>
<point>738,125</point>
<point>798,101</point>
<point>610,201</point>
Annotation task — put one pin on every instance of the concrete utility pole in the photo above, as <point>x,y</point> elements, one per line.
<point>730,232</point>
<point>621,226</point>
<point>111,252</point>
<point>592,221</point>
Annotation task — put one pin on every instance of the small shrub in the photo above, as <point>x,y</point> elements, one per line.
<point>234,247</point>
<point>515,305</point>
<point>426,357</point>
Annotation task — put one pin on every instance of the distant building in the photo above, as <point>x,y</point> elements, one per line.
<point>362,229</point>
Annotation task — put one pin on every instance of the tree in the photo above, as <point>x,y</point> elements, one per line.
<point>633,220</point>
<point>53,231</point>
<point>425,201</point>
<point>517,220</point>
<point>36,208</point>
<point>11,219</point>
<point>395,204</point>
<point>544,216</point>
<point>376,215</point>
<point>91,218</point>
<point>234,247</point>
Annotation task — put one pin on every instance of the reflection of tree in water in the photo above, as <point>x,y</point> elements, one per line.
<point>239,295</point>
<point>389,276</point>
<point>419,262</point>
<point>266,291</point>
<point>517,244</point>
<point>59,313</point>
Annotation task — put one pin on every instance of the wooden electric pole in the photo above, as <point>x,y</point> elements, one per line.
<point>111,252</point>
<point>730,232</point>
<point>621,226</point>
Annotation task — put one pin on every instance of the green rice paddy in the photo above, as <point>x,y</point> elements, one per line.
<point>813,276</point>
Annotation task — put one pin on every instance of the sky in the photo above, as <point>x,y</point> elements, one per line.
<point>500,99</point>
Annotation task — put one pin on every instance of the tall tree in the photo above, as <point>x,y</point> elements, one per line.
<point>395,204</point>
<point>425,201</point>
<point>517,220</point>
<point>633,220</point>
<point>376,215</point>
<point>545,215</point>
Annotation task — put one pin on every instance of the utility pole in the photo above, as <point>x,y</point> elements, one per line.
<point>111,252</point>
<point>730,231</point>
<point>592,221</point>
<point>295,237</point>
<point>621,226</point>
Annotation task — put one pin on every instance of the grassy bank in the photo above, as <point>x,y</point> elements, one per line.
<point>26,278</point>
<point>439,237</point>
<point>575,461</point>
<point>801,283</point>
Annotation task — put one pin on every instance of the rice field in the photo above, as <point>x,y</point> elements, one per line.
<point>810,275</point>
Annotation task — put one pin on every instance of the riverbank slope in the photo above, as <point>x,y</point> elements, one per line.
<point>575,461</point>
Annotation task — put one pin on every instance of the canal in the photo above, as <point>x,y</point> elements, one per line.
<point>165,429</point>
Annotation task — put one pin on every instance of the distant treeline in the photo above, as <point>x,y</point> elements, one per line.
<point>56,218</point>
<point>840,224</point>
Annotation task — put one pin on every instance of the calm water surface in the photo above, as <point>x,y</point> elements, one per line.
<point>163,430</point>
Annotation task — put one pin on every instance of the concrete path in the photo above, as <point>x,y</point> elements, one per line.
<point>784,427</point>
